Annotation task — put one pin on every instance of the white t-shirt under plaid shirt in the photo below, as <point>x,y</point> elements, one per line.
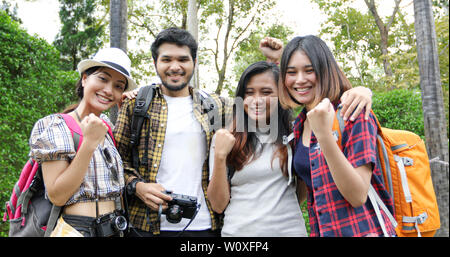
<point>51,140</point>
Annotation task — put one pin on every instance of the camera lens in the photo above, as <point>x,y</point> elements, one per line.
<point>121,223</point>
<point>174,214</point>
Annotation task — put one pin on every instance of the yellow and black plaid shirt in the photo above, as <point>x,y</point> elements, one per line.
<point>155,128</point>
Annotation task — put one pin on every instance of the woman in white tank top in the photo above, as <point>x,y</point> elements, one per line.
<point>261,199</point>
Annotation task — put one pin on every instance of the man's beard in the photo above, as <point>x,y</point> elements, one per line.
<point>176,88</point>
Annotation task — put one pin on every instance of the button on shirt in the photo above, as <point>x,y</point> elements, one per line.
<point>329,213</point>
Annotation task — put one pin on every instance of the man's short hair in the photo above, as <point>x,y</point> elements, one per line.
<point>177,36</point>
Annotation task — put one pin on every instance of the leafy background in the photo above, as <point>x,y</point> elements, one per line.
<point>37,78</point>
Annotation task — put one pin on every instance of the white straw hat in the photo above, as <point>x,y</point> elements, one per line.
<point>113,58</point>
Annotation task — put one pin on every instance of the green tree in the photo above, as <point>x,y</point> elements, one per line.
<point>383,28</point>
<point>361,40</point>
<point>80,35</point>
<point>222,27</point>
<point>442,29</point>
<point>248,51</point>
<point>356,39</point>
<point>233,21</point>
<point>31,87</point>
<point>5,6</point>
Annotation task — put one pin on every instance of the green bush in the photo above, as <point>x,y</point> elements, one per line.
<point>397,109</point>
<point>32,86</point>
<point>400,109</point>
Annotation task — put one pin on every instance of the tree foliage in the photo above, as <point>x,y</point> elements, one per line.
<point>11,11</point>
<point>442,27</point>
<point>248,51</point>
<point>355,42</point>
<point>31,86</point>
<point>80,35</point>
<point>232,22</point>
<point>357,45</point>
<point>223,26</point>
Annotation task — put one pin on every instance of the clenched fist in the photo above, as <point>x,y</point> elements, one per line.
<point>321,118</point>
<point>224,143</point>
<point>93,129</point>
<point>272,48</point>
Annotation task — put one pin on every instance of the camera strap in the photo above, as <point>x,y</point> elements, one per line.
<point>95,189</point>
<point>189,223</point>
<point>159,212</point>
<point>117,201</point>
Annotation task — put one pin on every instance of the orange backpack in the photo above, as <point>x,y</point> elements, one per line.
<point>406,169</point>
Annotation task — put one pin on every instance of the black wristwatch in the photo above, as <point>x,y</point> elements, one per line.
<point>131,187</point>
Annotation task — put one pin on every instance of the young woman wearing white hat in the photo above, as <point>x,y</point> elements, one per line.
<point>89,181</point>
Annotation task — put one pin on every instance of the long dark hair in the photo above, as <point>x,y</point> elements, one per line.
<point>244,149</point>
<point>331,81</point>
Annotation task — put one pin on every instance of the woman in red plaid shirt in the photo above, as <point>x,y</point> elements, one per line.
<point>337,181</point>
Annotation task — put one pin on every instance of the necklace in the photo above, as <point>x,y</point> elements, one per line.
<point>78,116</point>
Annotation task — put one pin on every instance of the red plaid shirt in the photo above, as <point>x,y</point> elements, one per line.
<point>329,213</point>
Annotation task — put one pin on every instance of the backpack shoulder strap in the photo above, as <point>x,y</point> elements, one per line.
<point>374,198</point>
<point>110,132</point>
<point>339,125</point>
<point>52,219</point>
<point>77,139</point>
<point>143,101</point>
<point>286,140</point>
<point>74,128</point>
<point>210,107</point>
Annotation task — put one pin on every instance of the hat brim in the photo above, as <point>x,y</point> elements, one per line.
<point>86,64</point>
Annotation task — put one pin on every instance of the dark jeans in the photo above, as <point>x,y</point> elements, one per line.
<point>83,224</point>
<point>187,233</point>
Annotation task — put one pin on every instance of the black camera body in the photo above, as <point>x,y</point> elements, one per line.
<point>110,224</point>
<point>181,206</point>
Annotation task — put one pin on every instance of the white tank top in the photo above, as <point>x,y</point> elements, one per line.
<point>262,203</point>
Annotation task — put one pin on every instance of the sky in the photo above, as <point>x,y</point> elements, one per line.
<point>41,16</point>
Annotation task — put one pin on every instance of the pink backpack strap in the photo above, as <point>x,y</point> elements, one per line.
<point>110,132</point>
<point>75,128</point>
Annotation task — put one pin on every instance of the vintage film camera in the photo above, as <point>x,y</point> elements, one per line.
<point>111,224</point>
<point>181,206</point>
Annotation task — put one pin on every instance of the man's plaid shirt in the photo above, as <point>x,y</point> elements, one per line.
<point>153,134</point>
